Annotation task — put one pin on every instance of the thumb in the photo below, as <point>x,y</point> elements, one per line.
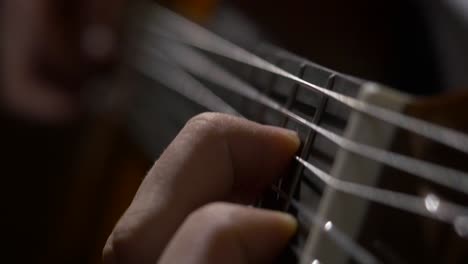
<point>228,233</point>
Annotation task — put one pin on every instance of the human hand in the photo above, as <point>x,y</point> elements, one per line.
<point>176,216</point>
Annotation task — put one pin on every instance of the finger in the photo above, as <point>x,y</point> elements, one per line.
<point>215,157</point>
<point>228,233</point>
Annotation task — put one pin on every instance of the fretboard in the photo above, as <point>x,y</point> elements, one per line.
<point>356,186</point>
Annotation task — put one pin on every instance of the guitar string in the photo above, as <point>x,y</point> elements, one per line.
<point>346,243</point>
<point>183,83</point>
<point>282,54</point>
<point>340,239</point>
<point>445,211</point>
<point>431,206</point>
<point>192,34</point>
<point>202,67</point>
<point>356,251</point>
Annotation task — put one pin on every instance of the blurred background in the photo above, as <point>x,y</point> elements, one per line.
<point>70,164</point>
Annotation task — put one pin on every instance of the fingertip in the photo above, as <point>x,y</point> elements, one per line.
<point>288,140</point>
<point>265,233</point>
<point>230,233</point>
<point>287,222</point>
<point>291,137</point>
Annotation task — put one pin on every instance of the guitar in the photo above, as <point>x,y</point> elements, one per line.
<point>366,186</point>
<point>380,177</point>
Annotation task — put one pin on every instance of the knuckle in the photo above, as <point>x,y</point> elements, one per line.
<point>207,124</point>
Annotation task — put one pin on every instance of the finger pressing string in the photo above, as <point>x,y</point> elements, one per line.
<point>202,67</point>
<point>215,157</point>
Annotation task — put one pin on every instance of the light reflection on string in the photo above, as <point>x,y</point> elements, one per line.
<point>432,202</point>
<point>328,226</point>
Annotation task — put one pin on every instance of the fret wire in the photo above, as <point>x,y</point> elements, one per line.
<point>447,211</point>
<point>202,67</point>
<point>351,247</point>
<point>294,58</point>
<point>194,35</point>
<point>312,134</point>
<point>292,96</point>
<point>289,103</point>
<point>267,90</point>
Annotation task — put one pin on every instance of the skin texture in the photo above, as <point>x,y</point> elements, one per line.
<point>214,158</point>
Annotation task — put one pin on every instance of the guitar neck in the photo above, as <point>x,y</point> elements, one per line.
<point>359,166</point>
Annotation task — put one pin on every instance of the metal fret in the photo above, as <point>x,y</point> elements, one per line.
<point>196,63</point>
<point>310,138</point>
